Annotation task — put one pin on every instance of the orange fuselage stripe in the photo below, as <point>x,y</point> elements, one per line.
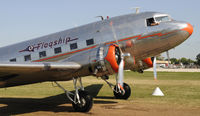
<point>65,54</point>
<point>138,38</point>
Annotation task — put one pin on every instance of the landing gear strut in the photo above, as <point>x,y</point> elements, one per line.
<point>120,92</point>
<point>81,100</point>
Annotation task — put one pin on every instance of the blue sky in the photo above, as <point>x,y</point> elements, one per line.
<point>26,19</point>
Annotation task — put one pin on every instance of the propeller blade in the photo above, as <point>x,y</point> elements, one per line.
<point>121,73</point>
<point>121,70</point>
<point>154,68</point>
<point>120,79</point>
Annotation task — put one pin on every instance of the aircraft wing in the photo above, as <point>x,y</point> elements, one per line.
<point>37,66</point>
<point>13,74</point>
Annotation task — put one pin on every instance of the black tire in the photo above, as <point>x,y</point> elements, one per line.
<point>86,102</point>
<point>127,94</point>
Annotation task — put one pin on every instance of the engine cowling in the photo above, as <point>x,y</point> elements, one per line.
<point>106,61</point>
<point>113,57</point>
<point>148,62</point>
<point>141,65</point>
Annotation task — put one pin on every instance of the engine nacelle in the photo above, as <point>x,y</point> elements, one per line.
<point>103,60</point>
<point>142,65</point>
<point>107,60</point>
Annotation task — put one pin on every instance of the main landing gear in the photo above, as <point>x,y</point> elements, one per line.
<point>119,92</point>
<point>122,93</point>
<point>81,100</point>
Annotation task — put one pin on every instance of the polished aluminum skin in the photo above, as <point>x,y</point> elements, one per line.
<point>131,32</point>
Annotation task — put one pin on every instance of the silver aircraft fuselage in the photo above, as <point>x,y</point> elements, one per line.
<point>142,35</point>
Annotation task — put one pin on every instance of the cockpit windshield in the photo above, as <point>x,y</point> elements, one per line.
<point>162,19</point>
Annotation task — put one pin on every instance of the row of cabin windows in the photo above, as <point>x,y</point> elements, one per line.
<point>57,50</point>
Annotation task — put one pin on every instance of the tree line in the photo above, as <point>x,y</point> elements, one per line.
<point>185,61</point>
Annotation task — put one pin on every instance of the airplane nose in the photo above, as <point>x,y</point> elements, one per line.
<point>185,30</point>
<point>188,28</point>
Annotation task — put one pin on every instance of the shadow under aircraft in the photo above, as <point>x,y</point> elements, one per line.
<point>16,106</point>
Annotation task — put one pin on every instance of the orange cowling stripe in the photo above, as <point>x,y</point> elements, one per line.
<point>189,28</point>
<point>111,58</point>
<point>148,62</point>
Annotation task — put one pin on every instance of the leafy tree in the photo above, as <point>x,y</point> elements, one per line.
<point>159,57</point>
<point>174,61</point>
<point>190,61</point>
<point>198,59</point>
<point>185,61</point>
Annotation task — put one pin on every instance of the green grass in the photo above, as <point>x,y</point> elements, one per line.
<point>179,88</point>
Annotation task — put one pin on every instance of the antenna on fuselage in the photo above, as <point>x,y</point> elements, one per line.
<point>137,9</point>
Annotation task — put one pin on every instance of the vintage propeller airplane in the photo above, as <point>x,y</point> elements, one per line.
<point>102,48</point>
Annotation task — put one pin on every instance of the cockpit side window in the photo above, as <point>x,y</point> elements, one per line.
<point>151,22</point>
<point>156,20</point>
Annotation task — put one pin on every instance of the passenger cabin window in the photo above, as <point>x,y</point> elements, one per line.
<point>42,54</point>
<point>73,46</point>
<point>90,42</point>
<point>27,58</point>
<point>13,60</point>
<point>57,50</point>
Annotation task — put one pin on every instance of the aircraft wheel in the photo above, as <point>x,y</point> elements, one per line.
<point>86,102</point>
<point>126,95</point>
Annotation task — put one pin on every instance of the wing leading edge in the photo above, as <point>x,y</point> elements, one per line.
<point>37,66</point>
<point>13,74</point>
